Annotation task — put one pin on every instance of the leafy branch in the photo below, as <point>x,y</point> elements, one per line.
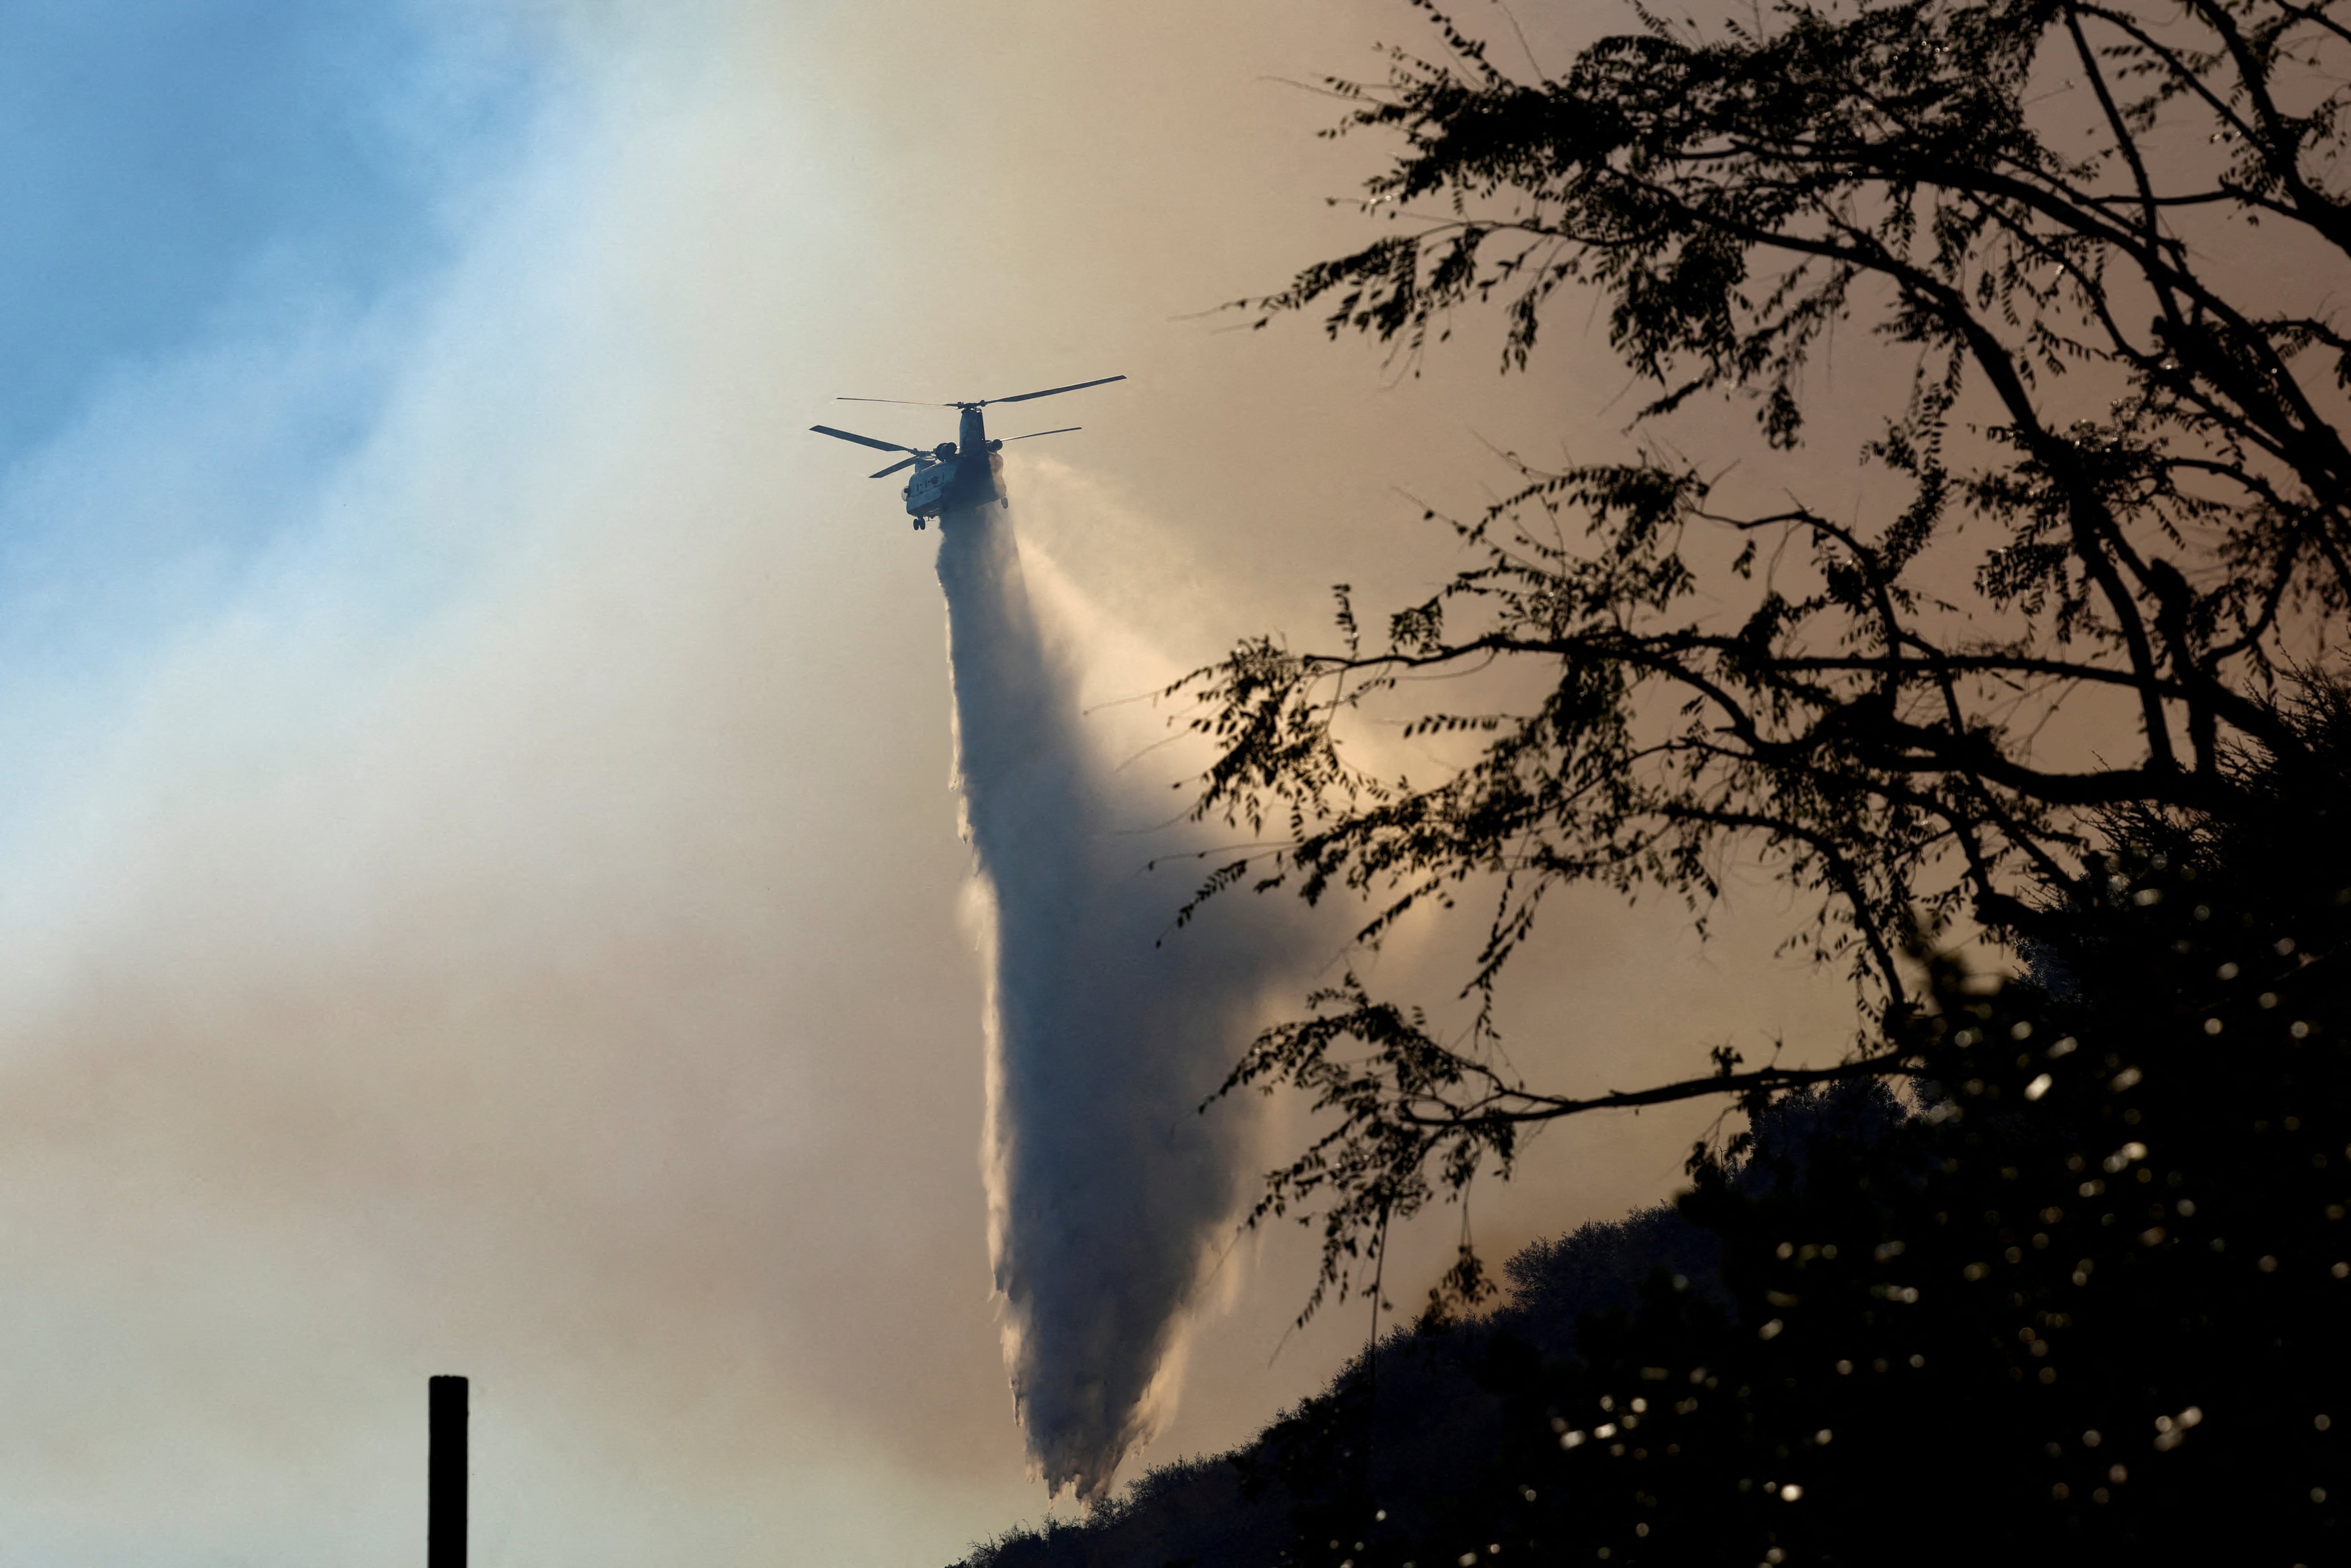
<point>2150,473</point>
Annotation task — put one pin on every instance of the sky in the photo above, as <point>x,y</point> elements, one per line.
<point>483,892</point>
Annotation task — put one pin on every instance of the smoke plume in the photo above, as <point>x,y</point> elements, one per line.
<point>1110,1196</point>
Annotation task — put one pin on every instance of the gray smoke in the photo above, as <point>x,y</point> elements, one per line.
<point>1110,1197</point>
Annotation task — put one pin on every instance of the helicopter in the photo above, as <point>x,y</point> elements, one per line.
<point>951,475</point>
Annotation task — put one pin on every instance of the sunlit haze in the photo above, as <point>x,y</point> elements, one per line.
<point>483,889</point>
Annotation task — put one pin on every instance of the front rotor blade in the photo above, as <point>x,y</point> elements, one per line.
<point>1049,392</point>
<point>1035,433</point>
<point>902,463</point>
<point>861,440</point>
<point>902,401</point>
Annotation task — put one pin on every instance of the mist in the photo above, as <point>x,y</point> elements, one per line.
<point>484,892</point>
<point>1110,1194</point>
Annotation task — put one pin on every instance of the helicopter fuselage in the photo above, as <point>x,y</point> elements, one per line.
<point>954,474</point>
<point>967,473</point>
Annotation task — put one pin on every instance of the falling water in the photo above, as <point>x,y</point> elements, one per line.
<point>1110,1196</point>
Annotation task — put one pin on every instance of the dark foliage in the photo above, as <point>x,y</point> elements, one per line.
<point>2080,1301</point>
<point>2118,485</point>
<point>2048,1268</point>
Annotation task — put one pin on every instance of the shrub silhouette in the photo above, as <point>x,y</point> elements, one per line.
<point>2074,1293</point>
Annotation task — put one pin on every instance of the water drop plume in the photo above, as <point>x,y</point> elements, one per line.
<point>1110,1196</point>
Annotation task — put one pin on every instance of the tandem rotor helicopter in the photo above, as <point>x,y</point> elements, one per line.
<point>951,475</point>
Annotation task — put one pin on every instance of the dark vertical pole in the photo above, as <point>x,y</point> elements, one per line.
<point>444,1527</point>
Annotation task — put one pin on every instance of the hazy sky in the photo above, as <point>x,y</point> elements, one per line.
<point>482,890</point>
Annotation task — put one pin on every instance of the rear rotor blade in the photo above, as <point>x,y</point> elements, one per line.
<point>906,402</point>
<point>902,463</point>
<point>1035,433</point>
<point>861,440</point>
<point>1049,392</point>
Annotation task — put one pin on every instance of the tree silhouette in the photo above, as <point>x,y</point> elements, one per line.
<point>2123,487</point>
